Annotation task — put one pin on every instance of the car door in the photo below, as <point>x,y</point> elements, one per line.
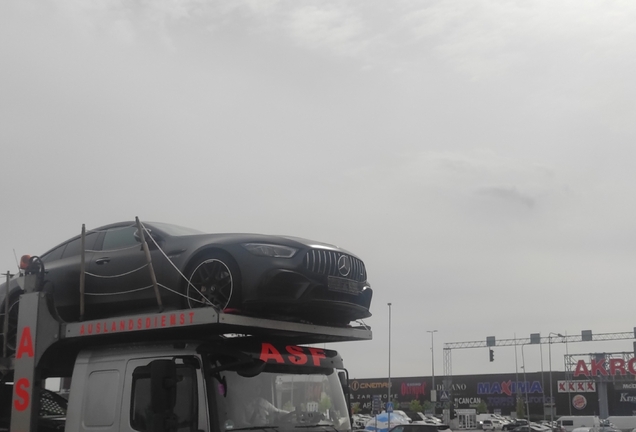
<point>119,274</point>
<point>62,267</point>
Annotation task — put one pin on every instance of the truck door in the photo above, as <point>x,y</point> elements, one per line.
<point>190,414</point>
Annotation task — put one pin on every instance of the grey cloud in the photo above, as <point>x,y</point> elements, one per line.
<point>508,194</point>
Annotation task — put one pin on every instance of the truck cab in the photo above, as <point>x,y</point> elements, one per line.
<point>216,388</point>
<point>198,370</point>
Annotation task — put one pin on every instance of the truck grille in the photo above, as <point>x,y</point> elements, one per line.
<point>326,262</point>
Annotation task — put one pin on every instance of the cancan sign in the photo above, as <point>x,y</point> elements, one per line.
<point>615,366</point>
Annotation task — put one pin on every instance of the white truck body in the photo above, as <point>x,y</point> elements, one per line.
<point>569,423</point>
<point>193,370</point>
<point>624,423</point>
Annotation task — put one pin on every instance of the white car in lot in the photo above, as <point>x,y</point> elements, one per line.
<point>492,425</point>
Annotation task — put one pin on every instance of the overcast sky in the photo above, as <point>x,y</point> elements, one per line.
<point>477,155</point>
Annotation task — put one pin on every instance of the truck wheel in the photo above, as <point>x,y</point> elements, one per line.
<point>213,280</point>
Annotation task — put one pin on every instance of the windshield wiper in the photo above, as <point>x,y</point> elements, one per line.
<point>254,428</point>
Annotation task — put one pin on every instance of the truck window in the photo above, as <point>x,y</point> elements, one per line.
<point>186,404</point>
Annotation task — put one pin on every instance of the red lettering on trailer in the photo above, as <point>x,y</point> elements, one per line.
<point>317,354</point>
<point>22,393</point>
<point>119,325</point>
<point>26,344</point>
<point>631,365</point>
<point>297,356</point>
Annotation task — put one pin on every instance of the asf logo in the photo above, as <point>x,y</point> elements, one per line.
<point>509,387</point>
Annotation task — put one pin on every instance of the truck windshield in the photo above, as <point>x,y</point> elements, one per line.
<point>281,400</point>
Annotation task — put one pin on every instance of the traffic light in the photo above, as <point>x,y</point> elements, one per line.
<point>492,355</point>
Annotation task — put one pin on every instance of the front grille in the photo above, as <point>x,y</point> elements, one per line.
<point>326,262</point>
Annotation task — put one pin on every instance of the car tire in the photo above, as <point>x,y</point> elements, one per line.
<point>213,280</point>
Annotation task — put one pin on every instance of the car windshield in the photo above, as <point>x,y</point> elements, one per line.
<point>175,230</point>
<point>281,400</point>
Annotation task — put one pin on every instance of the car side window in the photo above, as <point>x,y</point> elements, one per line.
<point>74,247</point>
<point>53,255</point>
<point>119,238</point>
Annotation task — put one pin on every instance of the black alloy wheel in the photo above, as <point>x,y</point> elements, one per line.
<point>211,283</point>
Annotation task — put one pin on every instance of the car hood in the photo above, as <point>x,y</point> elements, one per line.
<point>238,238</point>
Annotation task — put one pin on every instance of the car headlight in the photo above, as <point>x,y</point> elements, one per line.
<point>270,250</point>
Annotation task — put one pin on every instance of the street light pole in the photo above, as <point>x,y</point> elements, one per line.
<point>525,383</point>
<point>432,332</point>
<point>550,363</point>
<point>433,389</point>
<point>389,389</point>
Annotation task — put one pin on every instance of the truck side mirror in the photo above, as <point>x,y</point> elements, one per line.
<point>163,385</point>
<point>342,376</point>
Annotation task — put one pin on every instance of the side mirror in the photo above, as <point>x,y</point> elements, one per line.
<point>342,376</point>
<point>252,369</point>
<point>163,385</point>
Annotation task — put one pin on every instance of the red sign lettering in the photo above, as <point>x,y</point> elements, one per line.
<point>297,357</point>
<point>617,366</point>
<point>119,325</point>
<point>22,394</point>
<point>581,369</point>
<point>317,354</point>
<point>598,367</point>
<point>291,354</point>
<point>26,344</point>
<point>268,352</point>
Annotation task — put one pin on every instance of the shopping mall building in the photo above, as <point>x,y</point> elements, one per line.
<point>585,394</point>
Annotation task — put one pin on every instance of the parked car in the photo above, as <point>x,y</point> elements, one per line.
<point>532,427</point>
<point>265,275</point>
<point>51,414</point>
<point>415,427</point>
<point>514,424</point>
<point>423,418</point>
<point>359,421</point>
<point>491,424</point>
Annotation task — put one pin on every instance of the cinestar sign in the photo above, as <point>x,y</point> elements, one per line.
<point>615,366</point>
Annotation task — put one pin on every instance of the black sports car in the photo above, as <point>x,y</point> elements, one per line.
<point>263,275</point>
